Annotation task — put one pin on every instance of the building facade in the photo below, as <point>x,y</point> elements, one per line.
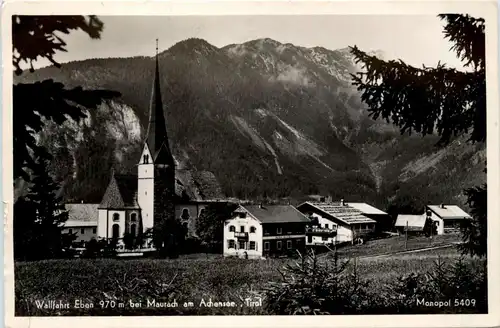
<point>448,217</point>
<point>346,223</point>
<point>256,231</point>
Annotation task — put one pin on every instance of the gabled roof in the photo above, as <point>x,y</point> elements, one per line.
<point>414,222</point>
<point>449,211</point>
<point>344,213</point>
<point>81,215</point>
<point>121,192</point>
<point>275,213</point>
<point>367,209</point>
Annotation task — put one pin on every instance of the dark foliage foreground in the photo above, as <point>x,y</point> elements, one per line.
<point>314,287</point>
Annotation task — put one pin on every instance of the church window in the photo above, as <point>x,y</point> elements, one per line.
<point>146,159</point>
<point>133,217</point>
<point>116,217</point>
<point>133,229</point>
<point>185,214</point>
<point>116,231</point>
<point>252,229</point>
<point>231,229</point>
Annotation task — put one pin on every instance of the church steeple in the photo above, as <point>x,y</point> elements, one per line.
<point>157,138</point>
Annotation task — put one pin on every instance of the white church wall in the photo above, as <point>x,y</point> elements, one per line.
<point>101,223</point>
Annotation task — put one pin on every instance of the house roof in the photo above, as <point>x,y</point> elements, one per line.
<point>413,221</point>
<point>344,213</point>
<point>81,215</point>
<point>78,224</point>
<point>275,213</point>
<point>449,211</point>
<point>367,208</point>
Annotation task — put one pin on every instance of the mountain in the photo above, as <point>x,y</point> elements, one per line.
<point>261,119</point>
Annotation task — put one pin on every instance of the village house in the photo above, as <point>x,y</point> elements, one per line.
<point>411,224</point>
<point>384,220</point>
<point>449,217</point>
<point>347,223</point>
<point>82,221</point>
<point>256,231</point>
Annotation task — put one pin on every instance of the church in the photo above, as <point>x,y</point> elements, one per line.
<point>161,190</point>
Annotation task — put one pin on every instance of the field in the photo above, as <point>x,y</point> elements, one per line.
<point>113,286</point>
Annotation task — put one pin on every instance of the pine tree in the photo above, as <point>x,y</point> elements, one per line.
<point>438,100</point>
<point>39,218</point>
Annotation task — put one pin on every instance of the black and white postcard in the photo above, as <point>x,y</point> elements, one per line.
<point>250,164</point>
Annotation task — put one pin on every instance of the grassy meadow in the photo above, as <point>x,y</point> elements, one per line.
<point>112,284</point>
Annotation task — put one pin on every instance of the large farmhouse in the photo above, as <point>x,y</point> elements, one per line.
<point>348,222</point>
<point>82,221</point>
<point>255,231</point>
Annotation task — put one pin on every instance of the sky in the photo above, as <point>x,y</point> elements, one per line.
<point>415,39</point>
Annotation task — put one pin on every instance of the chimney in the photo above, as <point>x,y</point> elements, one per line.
<point>442,206</point>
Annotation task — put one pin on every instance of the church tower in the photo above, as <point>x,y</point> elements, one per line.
<point>156,169</point>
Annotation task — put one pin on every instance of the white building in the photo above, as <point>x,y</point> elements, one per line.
<point>348,222</point>
<point>255,231</point>
<point>449,217</point>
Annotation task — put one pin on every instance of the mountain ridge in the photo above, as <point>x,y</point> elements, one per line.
<point>267,119</point>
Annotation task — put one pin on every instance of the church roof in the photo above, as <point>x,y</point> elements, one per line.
<point>157,138</point>
<point>121,192</point>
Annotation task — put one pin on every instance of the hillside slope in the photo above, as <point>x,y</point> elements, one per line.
<point>258,119</point>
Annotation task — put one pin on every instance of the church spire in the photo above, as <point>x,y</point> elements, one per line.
<point>157,131</point>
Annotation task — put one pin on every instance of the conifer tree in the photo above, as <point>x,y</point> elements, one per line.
<point>436,100</point>
<point>38,218</point>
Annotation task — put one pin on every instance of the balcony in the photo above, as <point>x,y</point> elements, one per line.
<point>241,235</point>
<point>322,232</point>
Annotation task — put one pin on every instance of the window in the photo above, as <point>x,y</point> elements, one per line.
<point>266,246</point>
<point>242,228</point>
<point>185,214</point>
<point>278,244</point>
<point>116,217</point>
<point>82,231</point>
<point>252,229</point>
<point>70,231</point>
<point>146,159</point>
<point>279,231</point>
<point>232,229</point>
<point>133,217</point>
<point>133,229</point>
<point>326,225</point>
<point>116,231</point>
<point>324,238</point>
<point>230,243</point>
<point>309,239</point>
<point>94,230</point>
<point>252,245</point>
<point>289,244</point>
<point>241,245</point>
